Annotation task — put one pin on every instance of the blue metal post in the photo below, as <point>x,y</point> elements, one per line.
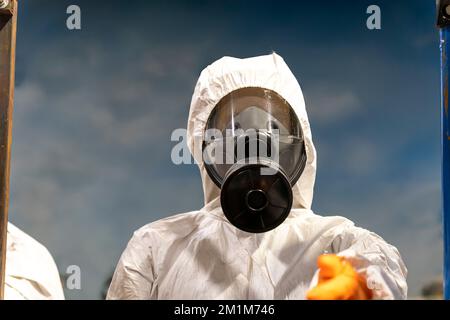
<point>445,142</point>
<point>444,24</point>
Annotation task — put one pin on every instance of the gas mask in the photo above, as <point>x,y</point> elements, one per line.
<point>253,150</point>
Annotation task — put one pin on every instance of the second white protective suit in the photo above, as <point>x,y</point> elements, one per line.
<point>200,255</point>
<point>31,273</point>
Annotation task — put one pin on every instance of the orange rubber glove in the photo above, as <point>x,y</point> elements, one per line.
<point>338,280</point>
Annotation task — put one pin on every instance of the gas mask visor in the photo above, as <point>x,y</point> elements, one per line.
<point>253,150</point>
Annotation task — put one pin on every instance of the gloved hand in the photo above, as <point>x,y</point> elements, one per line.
<point>338,280</point>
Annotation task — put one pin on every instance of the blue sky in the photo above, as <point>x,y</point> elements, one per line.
<point>95,108</point>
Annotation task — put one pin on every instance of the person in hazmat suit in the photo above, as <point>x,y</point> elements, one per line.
<point>31,273</point>
<point>256,236</point>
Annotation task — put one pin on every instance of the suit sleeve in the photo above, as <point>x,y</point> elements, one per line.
<point>378,261</point>
<point>134,275</point>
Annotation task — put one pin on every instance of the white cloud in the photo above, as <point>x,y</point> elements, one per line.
<point>328,106</point>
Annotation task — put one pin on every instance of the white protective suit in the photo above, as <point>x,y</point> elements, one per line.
<point>200,255</point>
<point>31,273</point>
